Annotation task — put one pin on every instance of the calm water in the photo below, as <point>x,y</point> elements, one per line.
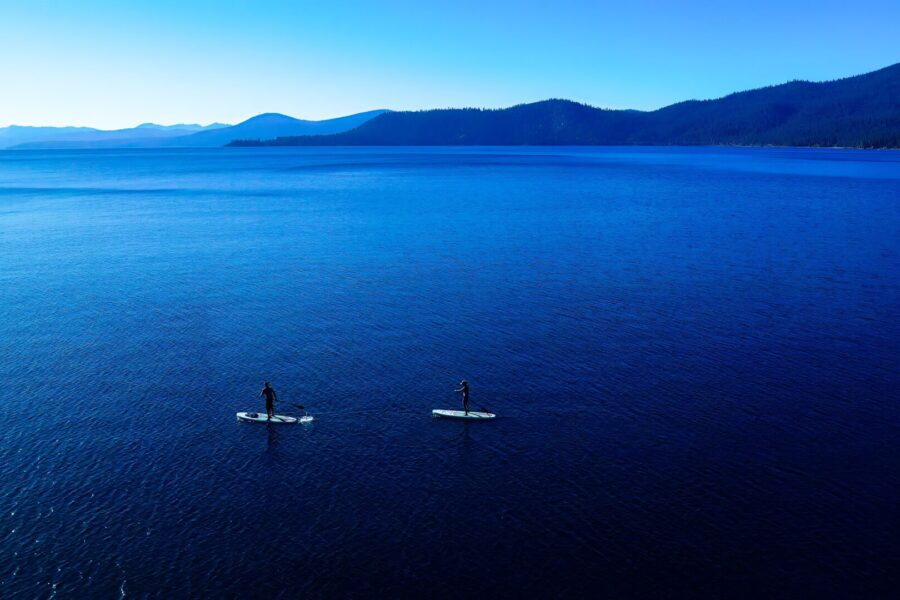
<point>694,354</point>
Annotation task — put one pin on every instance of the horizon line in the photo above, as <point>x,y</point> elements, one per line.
<point>587,103</point>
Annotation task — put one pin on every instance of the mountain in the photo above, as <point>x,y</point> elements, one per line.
<point>550,122</point>
<point>182,127</point>
<point>860,111</point>
<point>72,137</point>
<point>150,135</point>
<point>270,125</point>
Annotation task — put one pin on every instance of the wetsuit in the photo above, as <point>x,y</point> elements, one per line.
<point>269,393</point>
<point>465,392</point>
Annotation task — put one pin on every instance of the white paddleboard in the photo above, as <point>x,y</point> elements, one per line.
<point>459,414</point>
<point>252,417</point>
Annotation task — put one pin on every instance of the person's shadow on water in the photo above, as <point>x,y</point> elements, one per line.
<point>464,441</point>
<point>271,438</point>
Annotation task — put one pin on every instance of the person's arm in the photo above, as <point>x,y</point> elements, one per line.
<point>274,396</point>
<point>460,390</point>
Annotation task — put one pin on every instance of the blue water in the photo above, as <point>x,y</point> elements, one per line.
<point>693,352</point>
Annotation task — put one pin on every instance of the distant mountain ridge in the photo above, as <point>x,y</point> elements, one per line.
<point>269,125</point>
<point>15,135</point>
<point>860,111</point>
<point>182,126</point>
<point>150,135</point>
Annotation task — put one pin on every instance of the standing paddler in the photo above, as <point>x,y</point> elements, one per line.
<point>464,390</point>
<point>271,396</point>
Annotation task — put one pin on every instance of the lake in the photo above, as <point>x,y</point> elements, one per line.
<point>693,354</point>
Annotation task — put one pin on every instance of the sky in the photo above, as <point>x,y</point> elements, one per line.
<point>113,64</point>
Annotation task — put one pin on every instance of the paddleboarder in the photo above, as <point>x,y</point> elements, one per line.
<point>464,390</point>
<point>271,397</point>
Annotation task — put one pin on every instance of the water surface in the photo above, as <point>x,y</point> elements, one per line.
<point>693,353</point>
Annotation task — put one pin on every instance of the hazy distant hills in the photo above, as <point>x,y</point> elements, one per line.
<point>149,135</point>
<point>861,111</point>
<point>57,137</point>
<point>270,125</point>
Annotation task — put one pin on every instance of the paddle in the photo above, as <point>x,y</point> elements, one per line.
<point>483,409</point>
<point>297,406</point>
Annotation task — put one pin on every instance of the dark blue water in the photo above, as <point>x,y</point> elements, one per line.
<point>694,355</point>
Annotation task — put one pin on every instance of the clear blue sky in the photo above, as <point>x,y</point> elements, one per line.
<point>119,63</point>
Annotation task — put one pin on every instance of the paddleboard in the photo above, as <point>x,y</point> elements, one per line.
<point>459,414</point>
<point>252,417</point>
